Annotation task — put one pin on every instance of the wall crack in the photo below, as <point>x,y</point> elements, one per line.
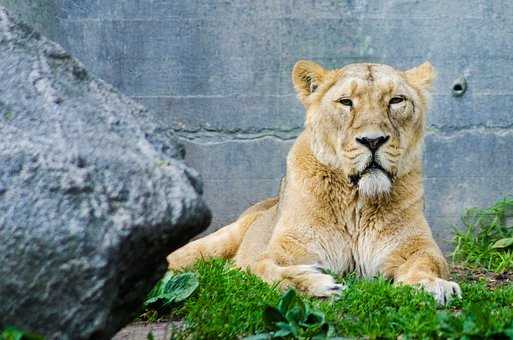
<point>207,136</point>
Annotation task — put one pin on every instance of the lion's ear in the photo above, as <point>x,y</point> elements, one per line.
<point>306,77</point>
<point>422,75</point>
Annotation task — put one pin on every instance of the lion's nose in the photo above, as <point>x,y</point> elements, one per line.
<point>373,143</point>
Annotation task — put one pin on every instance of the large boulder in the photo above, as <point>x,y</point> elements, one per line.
<point>92,194</point>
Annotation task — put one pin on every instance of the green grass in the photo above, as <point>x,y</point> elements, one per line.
<point>229,304</point>
<point>483,228</point>
<point>13,333</point>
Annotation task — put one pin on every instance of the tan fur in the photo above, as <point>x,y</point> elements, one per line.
<point>336,210</point>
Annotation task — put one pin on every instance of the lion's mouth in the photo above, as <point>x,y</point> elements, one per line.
<point>371,167</point>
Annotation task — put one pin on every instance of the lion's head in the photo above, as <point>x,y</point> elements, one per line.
<point>365,119</point>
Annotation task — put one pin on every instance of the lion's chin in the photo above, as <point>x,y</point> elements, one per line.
<point>374,183</point>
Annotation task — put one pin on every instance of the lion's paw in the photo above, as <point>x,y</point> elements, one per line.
<point>324,285</point>
<point>442,290</point>
<point>313,281</point>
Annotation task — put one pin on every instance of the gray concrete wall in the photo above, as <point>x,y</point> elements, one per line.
<point>217,73</point>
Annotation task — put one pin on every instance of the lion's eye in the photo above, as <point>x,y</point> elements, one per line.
<point>346,102</point>
<point>396,100</point>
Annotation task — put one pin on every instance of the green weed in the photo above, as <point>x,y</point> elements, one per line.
<point>292,317</point>
<point>171,289</point>
<point>487,240</point>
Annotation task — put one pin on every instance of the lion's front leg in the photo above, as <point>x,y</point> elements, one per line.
<point>307,278</point>
<point>291,262</point>
<point>418,261</point>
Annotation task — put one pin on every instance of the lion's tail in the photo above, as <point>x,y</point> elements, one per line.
<point>223,243</point>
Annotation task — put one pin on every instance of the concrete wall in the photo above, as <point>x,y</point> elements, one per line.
<point>218,74</point>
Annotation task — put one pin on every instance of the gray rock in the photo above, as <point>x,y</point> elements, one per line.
<point>92,194</point>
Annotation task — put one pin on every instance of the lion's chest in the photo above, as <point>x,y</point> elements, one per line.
<point>354,248</point>
<point>352,239</point>
<point>369,253</point>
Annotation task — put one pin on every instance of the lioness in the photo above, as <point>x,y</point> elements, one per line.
<point>352,198</point>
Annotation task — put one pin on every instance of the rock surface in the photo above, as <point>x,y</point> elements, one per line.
<point>92,195</point>
<point>162,330</point>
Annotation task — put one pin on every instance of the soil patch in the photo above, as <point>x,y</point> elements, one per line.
<point>460,273</point>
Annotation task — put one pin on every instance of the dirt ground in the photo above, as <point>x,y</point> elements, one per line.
<point>460,273</point>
